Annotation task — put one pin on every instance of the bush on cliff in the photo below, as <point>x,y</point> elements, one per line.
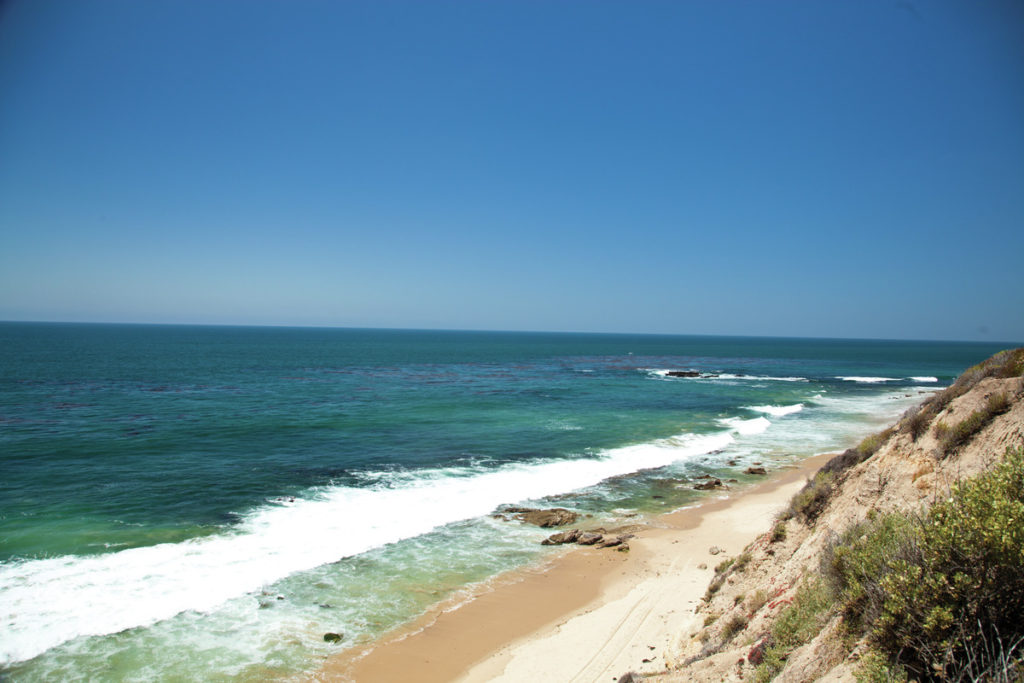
<point>811,609</point>
<point>939,595</point>
<point>954,437</point>
<point>811,500</point>
<point>1005,364</point>
<point>942,595</point>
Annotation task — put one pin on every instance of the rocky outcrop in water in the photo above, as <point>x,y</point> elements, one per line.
<point>545,519</point>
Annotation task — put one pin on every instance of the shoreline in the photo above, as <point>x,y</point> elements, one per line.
<point>586,615</point>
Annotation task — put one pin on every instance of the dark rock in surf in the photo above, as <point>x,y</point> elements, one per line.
<point>682,373</point>
<point>755,470</point>
<point>710,484</point>
<point>545,519</point>
<point>333,637</point>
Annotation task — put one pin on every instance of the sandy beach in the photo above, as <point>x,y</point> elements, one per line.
<point>590,615</point>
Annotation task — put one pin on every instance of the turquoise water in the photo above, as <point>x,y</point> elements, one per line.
<point>209,501</point>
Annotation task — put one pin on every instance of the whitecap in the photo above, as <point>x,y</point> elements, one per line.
<point>777,411</point>
<point>925,379</point>
<point>868,380</point>
<point>757,425</point>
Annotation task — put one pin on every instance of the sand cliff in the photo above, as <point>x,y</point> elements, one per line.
<point>903,473</point>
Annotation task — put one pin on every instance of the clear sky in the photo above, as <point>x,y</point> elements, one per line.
<point>834,168</point>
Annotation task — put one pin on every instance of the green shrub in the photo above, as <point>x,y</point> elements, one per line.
<point>875,668</point>
<point>965,430</point>
<point>710,619</point>
<point>871,444</point>
<point>742,561</point>
<point>796,625</point>
<point>778,532</point>
<point>724,564</point>
<point>941,595</point>
<point>917,421</point>
<point>714,587</point>
<point>855,564</point>
<point>733,625</point>
<point>811,500</point>
<point>757,601</point>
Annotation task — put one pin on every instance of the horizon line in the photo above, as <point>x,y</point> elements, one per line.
<point>1010,344</point>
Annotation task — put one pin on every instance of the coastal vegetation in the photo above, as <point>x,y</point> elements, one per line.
<point>956,436</point>
<point>939,596</point>
<point>812,499</point>
<point>1005,364</point>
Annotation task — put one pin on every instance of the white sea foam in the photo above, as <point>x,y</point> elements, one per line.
<point>925,379</point>
<point>868,380</point>
<point>44,603</point>
<point>777,411</point>
<point>757,425</point>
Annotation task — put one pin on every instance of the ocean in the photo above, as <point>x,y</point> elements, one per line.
<point>184,503</point>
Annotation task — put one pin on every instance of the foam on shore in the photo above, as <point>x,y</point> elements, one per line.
<point>50,601</point>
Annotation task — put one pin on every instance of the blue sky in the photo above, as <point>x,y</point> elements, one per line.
<point>835,169</point>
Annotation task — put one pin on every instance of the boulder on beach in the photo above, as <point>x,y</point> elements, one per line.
<point>611,542</point>
<point>562,537</point>
<point>598,538</point>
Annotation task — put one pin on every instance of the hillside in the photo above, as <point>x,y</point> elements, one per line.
<point>785,609</point>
